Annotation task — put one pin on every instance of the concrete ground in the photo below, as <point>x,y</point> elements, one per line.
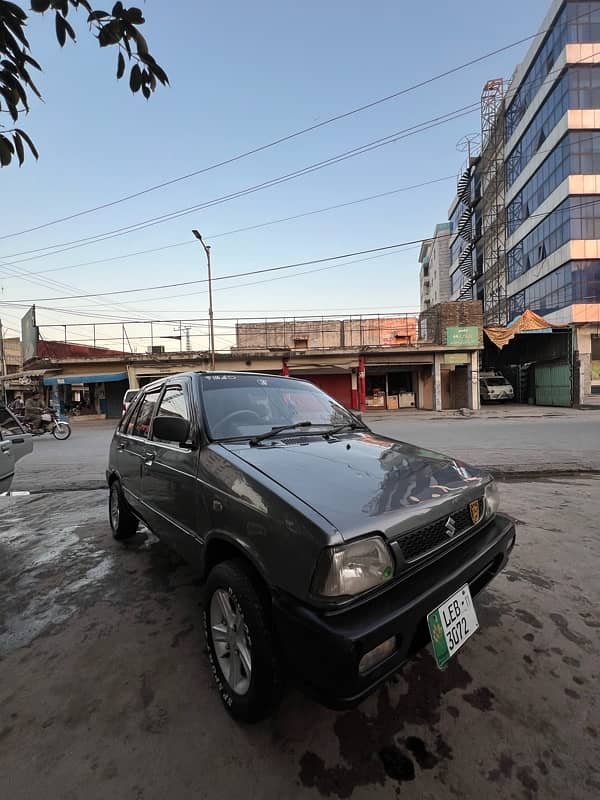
<point>507,438</point>
<point>105,689</point>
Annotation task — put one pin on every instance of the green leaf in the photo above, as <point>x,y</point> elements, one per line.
<point>135,78</point>
<point>96,15</point>
<point>110,33</point>
<point>32,147</point>
<point>19,148</point>
<point>6,151</point>
<point>120,66</point>
<point>40,5</point>
<point>61,29</point>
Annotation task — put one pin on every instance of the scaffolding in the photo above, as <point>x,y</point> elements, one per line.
<point>490,271</point>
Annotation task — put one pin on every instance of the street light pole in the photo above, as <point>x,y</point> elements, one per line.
<point>210,302</point>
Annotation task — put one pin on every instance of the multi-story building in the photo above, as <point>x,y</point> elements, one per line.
<point>434,259</point>
<point>526,217</point>
<point>552,164</point>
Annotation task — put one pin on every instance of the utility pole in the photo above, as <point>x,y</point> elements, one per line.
<point>3,370</point>
<point>211,327</point>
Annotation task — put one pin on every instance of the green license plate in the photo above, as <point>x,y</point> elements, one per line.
<point>452,624</point>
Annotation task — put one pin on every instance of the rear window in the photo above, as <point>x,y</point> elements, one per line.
<point>497,382</point>
<point>130,394</point>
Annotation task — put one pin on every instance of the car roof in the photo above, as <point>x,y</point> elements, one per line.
<point>194,374</point>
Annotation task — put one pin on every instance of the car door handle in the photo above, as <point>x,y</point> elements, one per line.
<point>18,441</point>
<point>122,445</point>
<point>149,458</point>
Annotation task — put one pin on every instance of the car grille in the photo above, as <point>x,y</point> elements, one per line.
<point>420,542</point>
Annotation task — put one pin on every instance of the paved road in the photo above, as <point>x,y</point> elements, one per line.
<point>105,689</point>
<point>572,440</point>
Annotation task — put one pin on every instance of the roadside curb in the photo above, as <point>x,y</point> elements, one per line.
<point>507,472</point>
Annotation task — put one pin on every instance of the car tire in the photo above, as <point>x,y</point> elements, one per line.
<point>258,691</point>
<point>123,522</point>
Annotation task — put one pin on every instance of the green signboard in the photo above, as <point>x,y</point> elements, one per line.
<point>463,336</point>
<point>456,358</point>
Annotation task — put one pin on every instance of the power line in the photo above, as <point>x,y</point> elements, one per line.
<point>172,215</point>
<point>220,277</point>
<point>282,139</point>
<point>234,231</point>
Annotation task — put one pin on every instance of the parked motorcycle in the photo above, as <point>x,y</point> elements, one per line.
<point>51,423</point>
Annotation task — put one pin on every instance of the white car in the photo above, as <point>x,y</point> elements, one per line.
<point>495,387</point>
<point>128,398</point>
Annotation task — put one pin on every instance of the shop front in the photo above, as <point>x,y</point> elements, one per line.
<point>98,394</point>
<point>391,387</point>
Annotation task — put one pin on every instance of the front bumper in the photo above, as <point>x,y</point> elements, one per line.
<point>324,648</point>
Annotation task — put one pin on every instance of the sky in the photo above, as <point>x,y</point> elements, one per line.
<point>242,75</point>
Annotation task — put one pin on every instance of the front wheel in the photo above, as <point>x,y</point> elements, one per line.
<point>61,431</point>
<point>241,644</point>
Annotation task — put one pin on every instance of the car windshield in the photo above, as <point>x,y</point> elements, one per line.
<point>240,406</point>
<point>496,381</point>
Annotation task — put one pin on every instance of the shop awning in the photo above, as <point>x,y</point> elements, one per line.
<point>528,322</point>
<point>71,379</point>
<point>24,377</point>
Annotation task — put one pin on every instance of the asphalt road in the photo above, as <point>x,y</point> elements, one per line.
<point>105,689</point>
<point>527,443</point>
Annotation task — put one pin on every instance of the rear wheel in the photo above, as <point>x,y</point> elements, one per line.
<point>123,522</point>
<point>240,643</point>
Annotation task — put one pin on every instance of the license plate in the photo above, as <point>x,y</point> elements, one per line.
<point>452,624</point>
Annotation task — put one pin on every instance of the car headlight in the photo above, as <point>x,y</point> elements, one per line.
<point>353,568</point>
<point>492,499</point>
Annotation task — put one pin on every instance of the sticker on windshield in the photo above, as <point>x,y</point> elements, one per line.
<point>262,382</point>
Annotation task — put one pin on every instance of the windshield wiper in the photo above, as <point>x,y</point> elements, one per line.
<point>339,428</point>
<point>279,429</point>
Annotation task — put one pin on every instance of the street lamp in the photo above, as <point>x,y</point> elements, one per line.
<point>211,337</point>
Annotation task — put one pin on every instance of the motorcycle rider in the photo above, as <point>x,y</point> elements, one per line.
<point>33,411</point>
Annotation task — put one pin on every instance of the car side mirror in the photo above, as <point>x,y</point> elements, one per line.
<point>171,429</point>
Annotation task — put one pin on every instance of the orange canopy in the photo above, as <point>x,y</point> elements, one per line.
<point>528,321</point>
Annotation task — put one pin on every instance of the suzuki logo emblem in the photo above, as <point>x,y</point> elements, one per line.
<point>450,527</point>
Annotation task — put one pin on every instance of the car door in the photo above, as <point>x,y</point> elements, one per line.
<point>22,442</point>
<point>131,445</point>
<point>7,464</point>
<point>169,489</point>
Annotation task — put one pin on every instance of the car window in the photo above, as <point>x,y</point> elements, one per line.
<point>497,382</point>
<point>173,404</point>
<point>126,424</point>
<point>130,394</point>
<point>141,426</point>
<point>247,405</point>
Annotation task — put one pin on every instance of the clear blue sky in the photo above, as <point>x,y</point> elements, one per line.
<point>243,74</point>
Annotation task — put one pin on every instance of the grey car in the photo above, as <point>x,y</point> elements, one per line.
<point>330,554</point>
<point>15,443</point>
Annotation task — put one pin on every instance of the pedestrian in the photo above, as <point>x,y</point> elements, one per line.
<point>34,410</point>
<point>17,406</point>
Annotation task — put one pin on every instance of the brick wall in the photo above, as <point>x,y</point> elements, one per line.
<point>434,323</point>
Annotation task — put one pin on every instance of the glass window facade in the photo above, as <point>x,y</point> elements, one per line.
<point>552,110</point>
<point>577,154</point>
<point>574,282</point>
<point>576,22</point>
<point>579,87</point>
<point>537,73</point>
<point>578,217</point>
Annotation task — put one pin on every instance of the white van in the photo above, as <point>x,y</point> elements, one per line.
<point>493,386</point>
